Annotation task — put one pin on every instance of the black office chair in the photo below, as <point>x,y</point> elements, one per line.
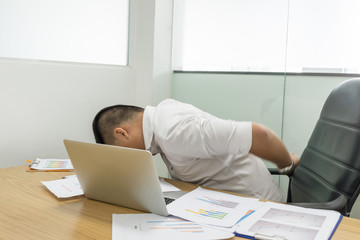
<point>328,174</point>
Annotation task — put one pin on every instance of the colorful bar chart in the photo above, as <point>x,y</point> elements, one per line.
<point>56,164</point>
<point>219,202</point>
<point>174,225</point>
<point>211,207</point>
<point>209,213</point>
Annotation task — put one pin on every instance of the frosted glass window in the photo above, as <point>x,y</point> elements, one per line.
<point>324,36</point>
<point>230,35</point>
<point>267,35</point>
<point>87,31</point>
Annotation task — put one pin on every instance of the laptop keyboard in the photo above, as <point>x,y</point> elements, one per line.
<point>168,200</point>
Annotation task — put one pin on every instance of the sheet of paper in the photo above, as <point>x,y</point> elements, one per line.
<point>52,164</point>
<point>151,226</point>
<point>64,188</point>
<point>289,222</point>
<point>211,207</point>
<point>167,187</point>
<point>70,186</point>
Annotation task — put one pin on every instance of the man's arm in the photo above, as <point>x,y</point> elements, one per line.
<point>267,145</point>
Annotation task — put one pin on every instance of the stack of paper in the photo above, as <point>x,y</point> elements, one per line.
<point>51,165</point>
<point>207,214</point>
<point>200,214</point>
<point>216,215</point>
<point>70,187</point>
<point>151,226</point>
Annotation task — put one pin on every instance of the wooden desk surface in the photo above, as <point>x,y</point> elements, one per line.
<point>29,211</point>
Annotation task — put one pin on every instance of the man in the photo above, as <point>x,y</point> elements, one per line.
<point>198,147</point>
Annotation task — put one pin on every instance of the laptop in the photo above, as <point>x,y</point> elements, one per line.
<point>119,175</point>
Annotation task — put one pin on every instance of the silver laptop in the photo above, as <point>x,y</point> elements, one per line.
<point>118,175</point>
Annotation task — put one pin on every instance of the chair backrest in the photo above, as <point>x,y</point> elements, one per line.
<point>330,164</point>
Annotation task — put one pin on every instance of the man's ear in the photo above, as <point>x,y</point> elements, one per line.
<point>119,132</point>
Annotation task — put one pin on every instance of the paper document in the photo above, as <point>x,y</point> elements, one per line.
<point>70,187</point>
<point>51,164</point>
<point>280,221</point>
<point>167,187</point>
<point>151,226</point>
<point>64,188</point>
<point>211,207</point>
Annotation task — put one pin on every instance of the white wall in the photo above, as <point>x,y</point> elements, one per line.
<point>153,51</point>
<point>42,103</point>
<point>151,56</point>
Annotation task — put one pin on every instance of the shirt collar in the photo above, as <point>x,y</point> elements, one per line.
<point>148,127</point>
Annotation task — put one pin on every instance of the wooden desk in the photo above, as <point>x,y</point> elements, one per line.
<point>29,211</point>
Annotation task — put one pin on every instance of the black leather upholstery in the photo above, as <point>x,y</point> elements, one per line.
<point>329,169</point>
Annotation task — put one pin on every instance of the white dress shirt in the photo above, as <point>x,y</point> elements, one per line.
<point>203,149</point>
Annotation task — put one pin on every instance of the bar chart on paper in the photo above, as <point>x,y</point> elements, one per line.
<point>211,207</point>
<point>56,164</point>
<point>209,213</point>
<point>172,225</point>
<point>219,202</point>
<point>52,164</point>
<point>151,226</point>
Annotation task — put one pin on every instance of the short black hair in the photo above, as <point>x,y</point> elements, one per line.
<point>108,118</point>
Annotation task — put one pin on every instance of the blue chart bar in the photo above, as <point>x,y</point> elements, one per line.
<point>219,202</point>
<point>211,213</point>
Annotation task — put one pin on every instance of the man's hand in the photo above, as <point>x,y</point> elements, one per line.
<point>295,159</point>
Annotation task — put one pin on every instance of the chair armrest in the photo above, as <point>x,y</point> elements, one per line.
<point>339,204</point>
<point>274,171</point>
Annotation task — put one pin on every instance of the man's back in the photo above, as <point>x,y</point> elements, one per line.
<point>200,148</point>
